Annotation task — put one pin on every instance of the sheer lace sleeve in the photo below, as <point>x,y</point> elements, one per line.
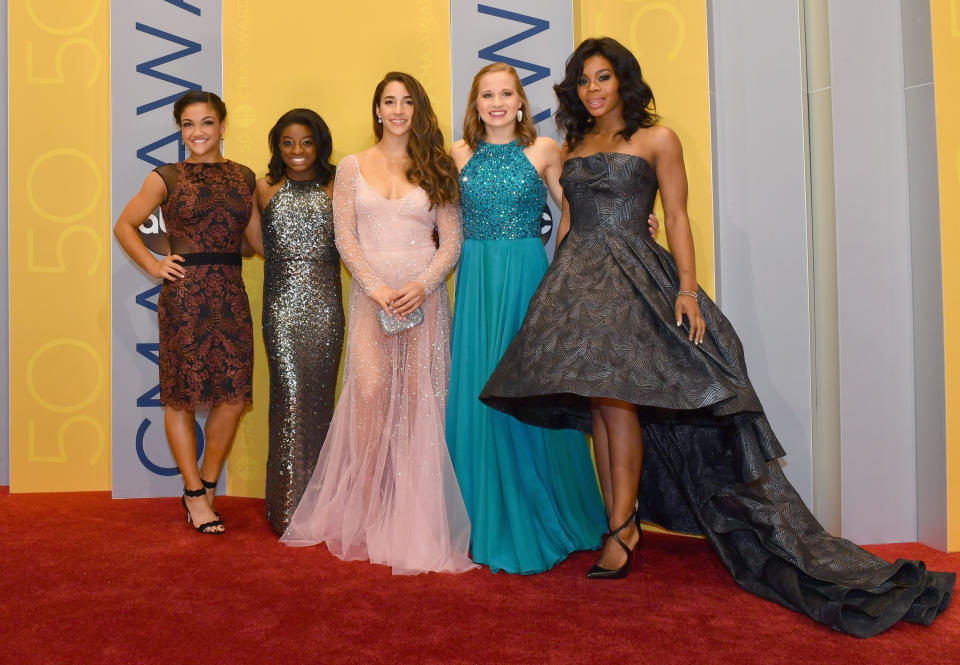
<point>168,172</point>
<point>451,240</point>
<point>345,226</point>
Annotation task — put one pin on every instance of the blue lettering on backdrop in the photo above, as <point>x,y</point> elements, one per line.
<point>161,73</point>
<point>492,52</point>
<point>150,464</point>
<point>193,9</point>
<point>151,398</point>
<point>190,47</point>
<point>149,68</point>
<point>144,152</point>
<point>143,299</point>
<point>150,351</point>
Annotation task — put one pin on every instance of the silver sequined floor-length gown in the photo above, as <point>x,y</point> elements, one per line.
<point>303,334</point>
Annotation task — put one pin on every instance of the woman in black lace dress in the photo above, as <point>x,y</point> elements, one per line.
<point>619,340</point>
<point>206,335</point>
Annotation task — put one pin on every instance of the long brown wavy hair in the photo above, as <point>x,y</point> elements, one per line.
<point>430,165</point>
<point>473,127</point>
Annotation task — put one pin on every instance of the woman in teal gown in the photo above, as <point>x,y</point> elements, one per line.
<point>532,494</point>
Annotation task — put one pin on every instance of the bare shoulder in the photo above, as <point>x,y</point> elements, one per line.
<point>547,143</point>
<point>662,139</point>
<point>154,179</point>
<point>547,147</point>
<point>154,186</point>
<point>461,152</point>
<point>564,152</point>
<point>266,190</point>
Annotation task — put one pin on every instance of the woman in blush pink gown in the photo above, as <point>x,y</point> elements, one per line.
<point>384,488</point>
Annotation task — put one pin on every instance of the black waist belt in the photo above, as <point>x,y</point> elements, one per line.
<point>211,259</point>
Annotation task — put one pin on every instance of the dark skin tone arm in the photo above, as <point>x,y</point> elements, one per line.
<point>660,146</point>
<point>672,176</point>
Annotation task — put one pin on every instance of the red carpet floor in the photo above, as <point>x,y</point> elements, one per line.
<point>88,579</point>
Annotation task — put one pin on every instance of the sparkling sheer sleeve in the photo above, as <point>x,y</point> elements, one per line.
<point>345,226</point>
<point>451,241</point>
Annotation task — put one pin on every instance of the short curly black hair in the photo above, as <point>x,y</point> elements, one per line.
<point>639,108</point>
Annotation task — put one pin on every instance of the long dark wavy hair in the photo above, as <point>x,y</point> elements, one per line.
<point>323,170</point>
<point>430,165</point>
<point>639,107</point>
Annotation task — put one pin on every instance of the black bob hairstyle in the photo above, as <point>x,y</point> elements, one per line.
<point>323,170</point>
<point>639,108</point>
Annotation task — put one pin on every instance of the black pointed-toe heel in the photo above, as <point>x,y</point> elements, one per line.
<point>601,573</point>
<point>206,527</point>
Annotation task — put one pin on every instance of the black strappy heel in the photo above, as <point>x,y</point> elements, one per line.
<point>206,527</point>
<point>600,573</point>
<point>210,485</point>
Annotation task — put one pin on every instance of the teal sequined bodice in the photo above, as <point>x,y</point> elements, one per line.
<point>501,194</point>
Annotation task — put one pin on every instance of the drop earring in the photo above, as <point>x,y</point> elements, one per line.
<point>379,120</point>
<point>520,115</point>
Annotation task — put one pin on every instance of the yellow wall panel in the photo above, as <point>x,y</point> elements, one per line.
<point>945,19</point>
<point>59,151</point>
<point>272,62</point>
<point>670,41</point>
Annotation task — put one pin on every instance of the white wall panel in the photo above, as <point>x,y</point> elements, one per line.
<point>761,211</point>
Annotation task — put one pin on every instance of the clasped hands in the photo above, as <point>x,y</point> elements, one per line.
<point>400,302</point>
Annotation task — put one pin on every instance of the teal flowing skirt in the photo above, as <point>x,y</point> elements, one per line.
<point>531,493</point>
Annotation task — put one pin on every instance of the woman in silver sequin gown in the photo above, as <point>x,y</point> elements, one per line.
<point>302,304</point>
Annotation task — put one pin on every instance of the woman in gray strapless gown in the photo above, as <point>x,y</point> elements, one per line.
<point>302,305</point>
<point>601,336</point>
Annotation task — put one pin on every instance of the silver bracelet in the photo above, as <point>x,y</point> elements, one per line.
<point>692,294</point>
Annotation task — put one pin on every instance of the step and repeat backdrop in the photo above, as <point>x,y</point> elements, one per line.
<point>91,87</point>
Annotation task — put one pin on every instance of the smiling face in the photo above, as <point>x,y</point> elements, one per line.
<point>201,130</point>
<point>298,150</point>
<point>598,87</point>
<point>396,108</point>
<point>497,99</point>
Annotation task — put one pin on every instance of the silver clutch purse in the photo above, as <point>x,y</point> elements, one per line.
<point>391,325</point>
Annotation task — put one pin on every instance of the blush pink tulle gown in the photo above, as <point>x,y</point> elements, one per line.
<point>384,488</point>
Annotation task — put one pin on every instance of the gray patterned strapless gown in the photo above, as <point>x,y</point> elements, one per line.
<point>303,334</point>
<point>602,324</point>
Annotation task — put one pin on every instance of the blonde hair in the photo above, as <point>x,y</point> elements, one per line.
<point>473,127</point>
